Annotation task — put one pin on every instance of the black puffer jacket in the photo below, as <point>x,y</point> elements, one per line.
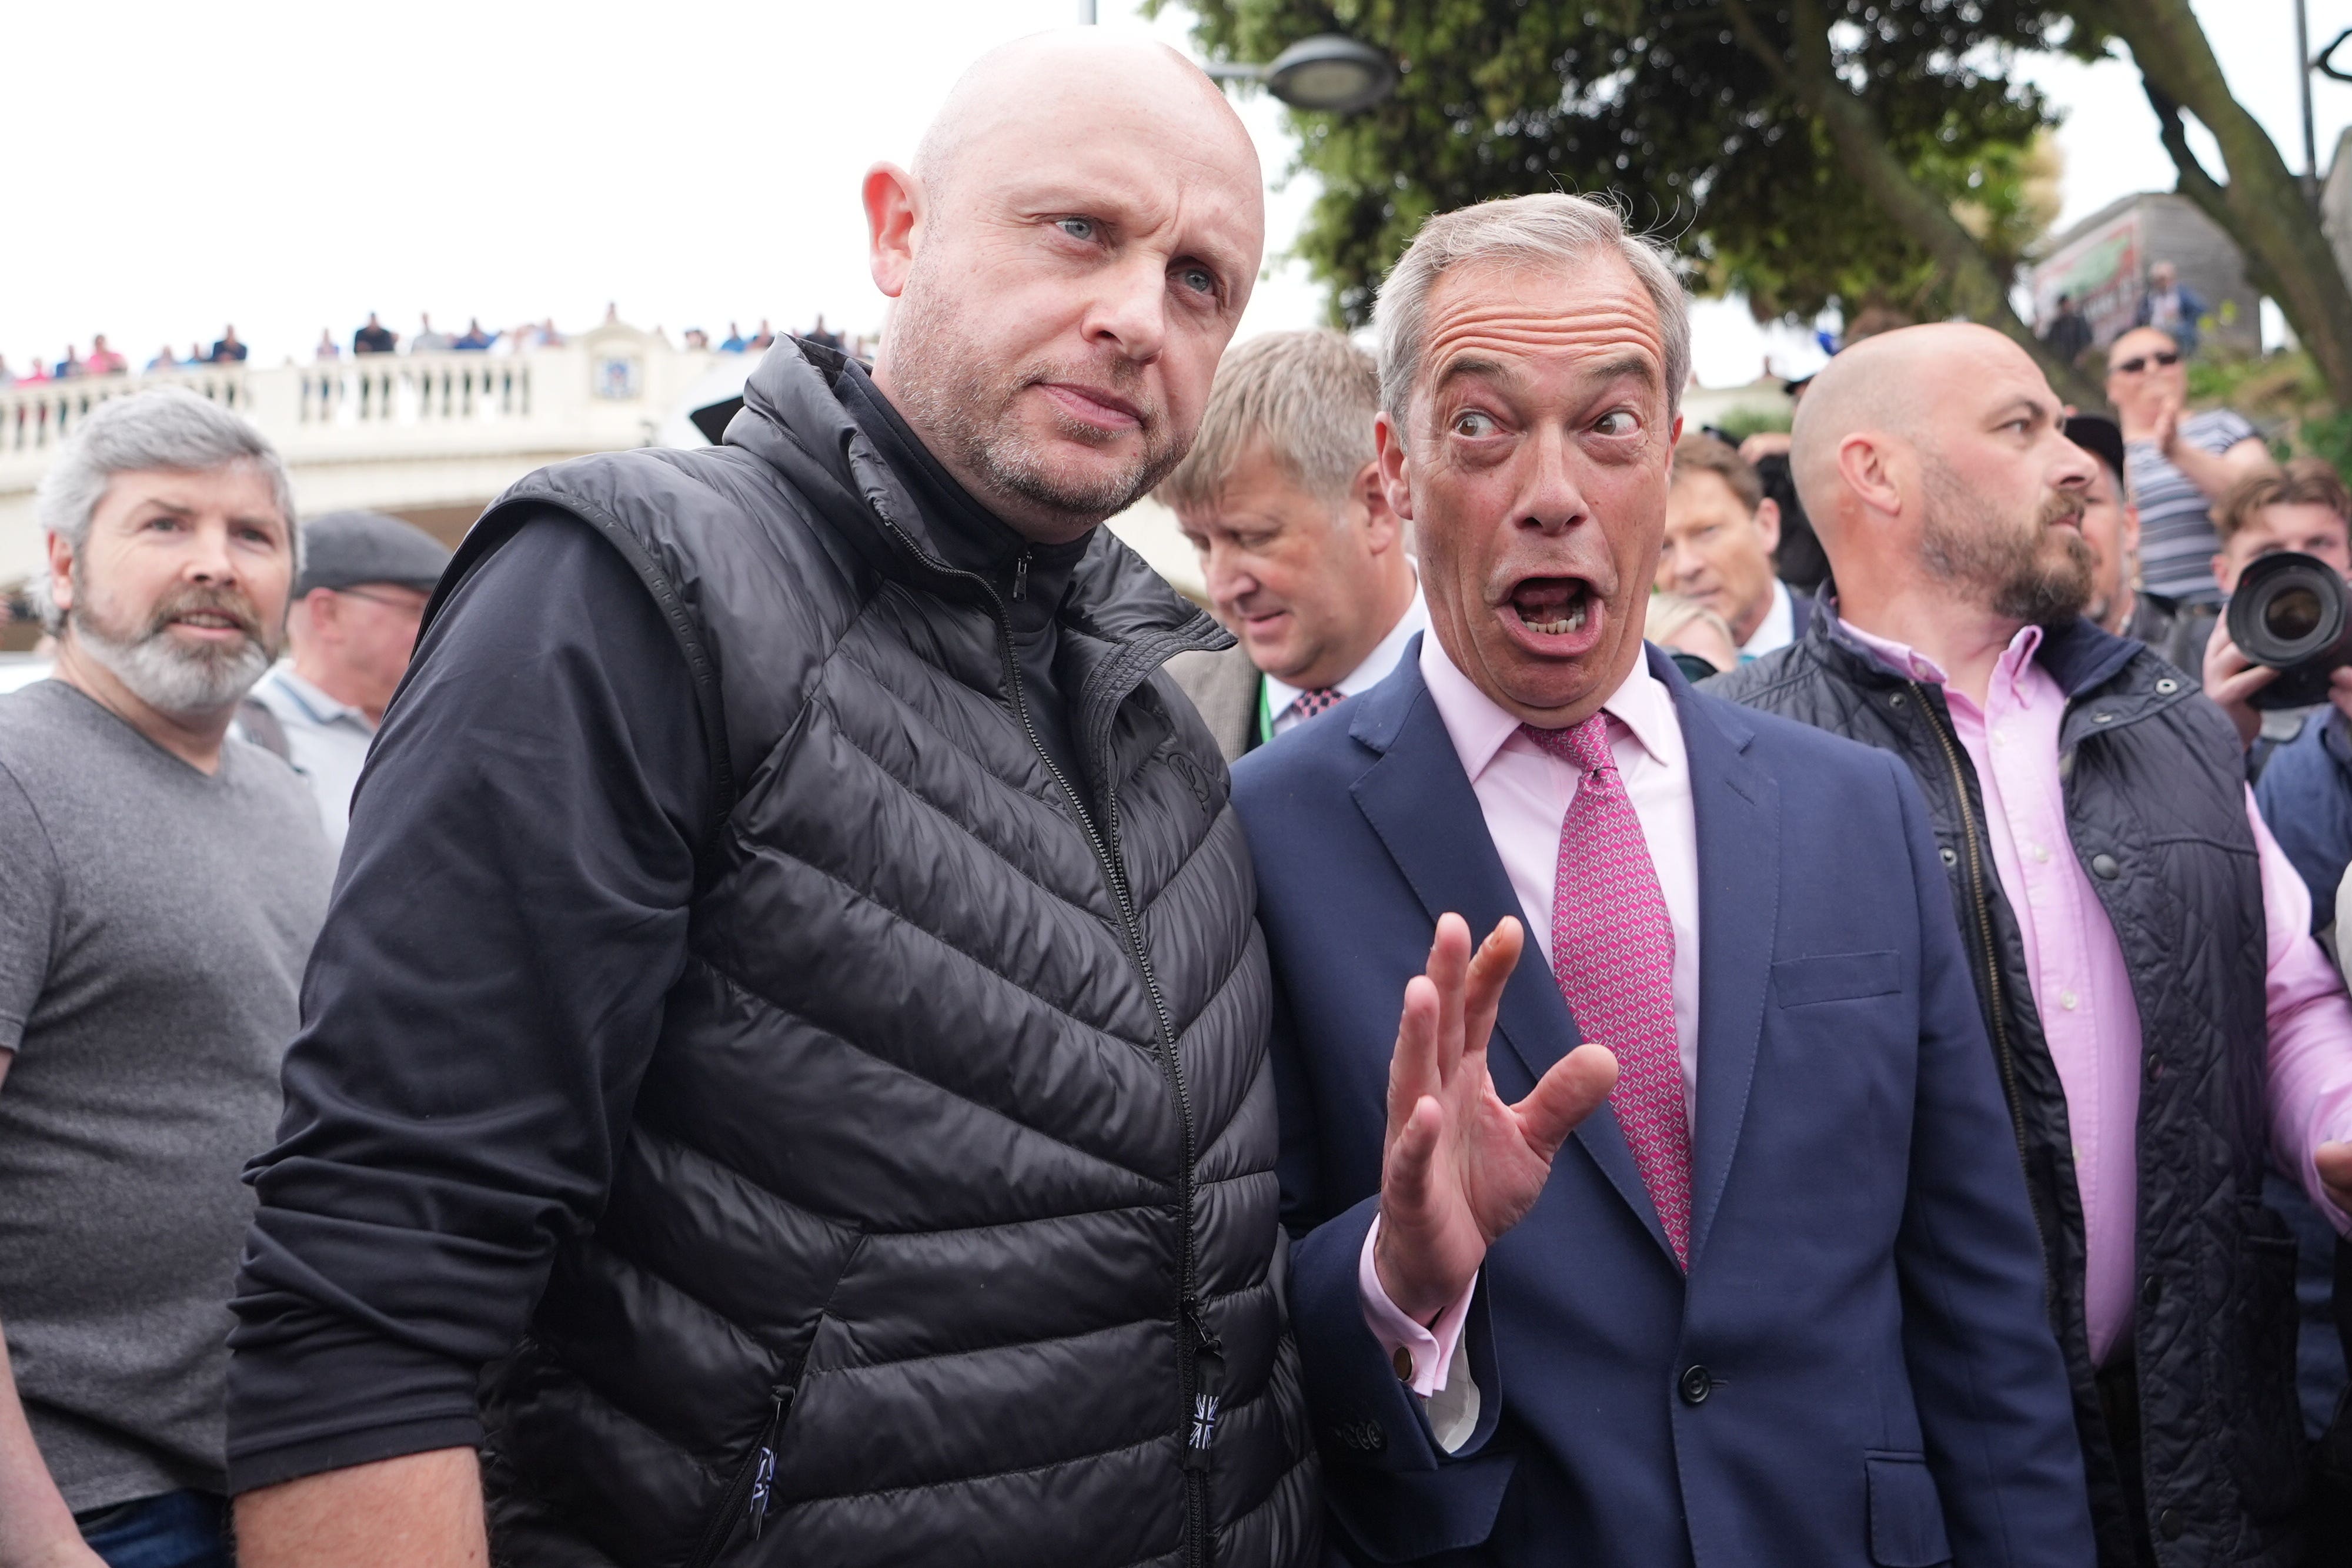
<point>946,1230</point>
<point>2156,806</point>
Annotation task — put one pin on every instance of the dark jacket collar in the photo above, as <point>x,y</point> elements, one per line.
<point>2078,654</point>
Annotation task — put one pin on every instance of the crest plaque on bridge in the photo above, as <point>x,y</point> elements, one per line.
<point>618,376</point>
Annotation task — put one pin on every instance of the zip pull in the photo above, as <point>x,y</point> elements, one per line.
<point>1208,1379</point>
<point>1021,574</point>
<point>763,1477</point>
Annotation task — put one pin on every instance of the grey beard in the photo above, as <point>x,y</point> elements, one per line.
<point>185,683</point>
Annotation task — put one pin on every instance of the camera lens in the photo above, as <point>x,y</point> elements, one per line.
<point>2292,615</point>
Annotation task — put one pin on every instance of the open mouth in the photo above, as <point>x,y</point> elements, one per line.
<point>1553,606</point>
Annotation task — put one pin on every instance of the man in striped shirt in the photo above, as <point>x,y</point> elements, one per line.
<point>2176,464</point>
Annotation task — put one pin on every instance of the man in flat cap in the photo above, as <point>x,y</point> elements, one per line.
<point>351,629</point>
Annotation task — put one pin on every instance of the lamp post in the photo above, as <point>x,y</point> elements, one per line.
<point>1327,74</point>
<point>2304,63</point>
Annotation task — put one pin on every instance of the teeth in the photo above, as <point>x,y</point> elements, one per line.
<point>1560,626</point>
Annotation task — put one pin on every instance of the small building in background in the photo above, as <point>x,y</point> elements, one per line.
<point>2103,263</point>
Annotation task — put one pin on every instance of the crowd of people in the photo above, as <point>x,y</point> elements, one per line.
<point>1618,1001</point>
<point>373,338</point>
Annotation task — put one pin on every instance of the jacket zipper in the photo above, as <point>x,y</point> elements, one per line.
<point>1197,1350</point>
<point>753,1490</point>
<point>1982,903</point>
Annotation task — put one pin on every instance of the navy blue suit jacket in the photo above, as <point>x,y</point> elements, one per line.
<point>1859,1368</point>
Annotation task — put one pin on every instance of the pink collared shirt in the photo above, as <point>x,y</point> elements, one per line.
<point>1523,794</point>
<point>2082,987</point>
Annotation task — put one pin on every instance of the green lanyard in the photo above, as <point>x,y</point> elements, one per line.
<point>1265,713</point>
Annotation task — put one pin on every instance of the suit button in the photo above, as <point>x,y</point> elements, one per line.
<point>1696,1384</point>
<point>2155,1066</point>
<point>2103,866</point>
<point>2151,1291</point>
<point>2170,1524</point>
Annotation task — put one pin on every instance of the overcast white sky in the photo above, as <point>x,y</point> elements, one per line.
<point>176,167</point>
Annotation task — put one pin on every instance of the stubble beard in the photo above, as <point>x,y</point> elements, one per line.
<point>184,682</point>
<point>2040,577</point>
<point>946,387</point>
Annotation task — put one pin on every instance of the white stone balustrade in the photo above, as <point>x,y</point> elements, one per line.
<point>397,432</point>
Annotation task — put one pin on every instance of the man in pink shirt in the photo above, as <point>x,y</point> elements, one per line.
<point>2165,1027</point>
<point>1767,1301</point>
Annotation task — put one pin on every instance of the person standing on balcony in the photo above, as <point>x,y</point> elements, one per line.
<point>164,359</point>
<point>328,351</point>
<point>227,349</point>
<point>791,1010</point>
<point>351,628</point>
<point>375,338</point>
<point>71,366</point>
<point>427,340</point>
<point>476,340</point>
<point>103,361</point>
<point>7,376</point>
<point>163,882</point>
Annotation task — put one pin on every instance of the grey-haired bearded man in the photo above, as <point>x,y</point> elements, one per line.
<point>160,884</point>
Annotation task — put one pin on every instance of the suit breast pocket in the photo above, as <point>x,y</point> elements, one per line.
<point>1835,977</point>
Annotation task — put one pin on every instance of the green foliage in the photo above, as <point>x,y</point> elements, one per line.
<point>1697,135</point>
<point>2282,392</point>
<point>1748,419</point>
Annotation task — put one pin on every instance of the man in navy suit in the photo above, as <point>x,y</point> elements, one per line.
<point>1747,1276</point>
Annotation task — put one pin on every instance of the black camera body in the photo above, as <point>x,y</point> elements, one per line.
<point>2292,612</point>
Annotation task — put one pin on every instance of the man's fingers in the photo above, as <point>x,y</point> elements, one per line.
<point>2335,1164</point>
<point>1490,971</point>
<point>1413,1071</point>
<point>2241,685</point>
<point>1573,1089</point>
<point>1405,1180</point>
<point>1449,967</point>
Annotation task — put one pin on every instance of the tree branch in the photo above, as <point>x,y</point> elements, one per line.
<point>1863,151</point>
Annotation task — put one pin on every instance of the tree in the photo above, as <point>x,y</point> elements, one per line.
<point>2257,201</point>
<point>1800,150</point>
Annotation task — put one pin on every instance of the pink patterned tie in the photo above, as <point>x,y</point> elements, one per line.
<point>1612,952</point>
<point>1307,705</point>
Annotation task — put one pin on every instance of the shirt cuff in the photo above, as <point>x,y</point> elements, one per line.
<point>1428,1351</point>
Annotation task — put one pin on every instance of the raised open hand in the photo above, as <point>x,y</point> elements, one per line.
<point>1461,1166</point>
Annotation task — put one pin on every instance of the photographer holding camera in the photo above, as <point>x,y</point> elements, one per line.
<point>2305,787</point>
<point>2304,509</point>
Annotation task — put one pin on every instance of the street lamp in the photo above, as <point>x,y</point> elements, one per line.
<point>1327,74</point>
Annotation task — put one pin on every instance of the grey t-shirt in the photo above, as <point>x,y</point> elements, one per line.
<point>154,922</point>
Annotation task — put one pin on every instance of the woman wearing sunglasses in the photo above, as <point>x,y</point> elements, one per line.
<point>2177,463</point>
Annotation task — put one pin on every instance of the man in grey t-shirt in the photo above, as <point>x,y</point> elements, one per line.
<point>160,886</point>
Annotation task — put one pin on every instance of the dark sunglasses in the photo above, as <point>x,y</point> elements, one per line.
<point>2138,362</point>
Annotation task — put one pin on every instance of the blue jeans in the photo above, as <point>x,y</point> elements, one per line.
<point>177,1529</point>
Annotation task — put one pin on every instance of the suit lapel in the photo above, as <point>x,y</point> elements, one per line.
<point>1736,806</point>
<point>1419,801</point>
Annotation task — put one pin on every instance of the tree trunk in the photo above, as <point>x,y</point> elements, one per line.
<point>1977,285</point>
<point>2262,206</point>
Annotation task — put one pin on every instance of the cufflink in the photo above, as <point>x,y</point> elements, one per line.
<point>1402,1361</point>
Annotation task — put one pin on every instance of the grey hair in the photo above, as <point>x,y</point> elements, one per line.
<point>1548,229</point>
<point>1307,397</point>
<point>169,429</point>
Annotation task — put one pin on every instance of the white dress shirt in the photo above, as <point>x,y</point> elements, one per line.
<point>1524,793</point>
<point>1777,630</point>
<point>1377,666</point>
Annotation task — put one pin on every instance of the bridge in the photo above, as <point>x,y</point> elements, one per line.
<point>434,437</point>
